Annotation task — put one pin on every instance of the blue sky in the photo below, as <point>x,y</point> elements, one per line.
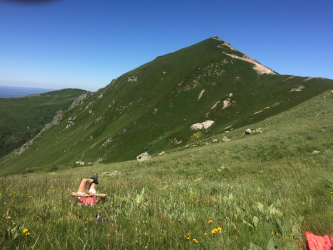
<point>85,43</point>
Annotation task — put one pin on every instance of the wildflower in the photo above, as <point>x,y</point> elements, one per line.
<point>13,223</point>
<point>178,219</point>
<point>32,247</point>
<point>109,235</point>
<point>195,240</point>
<point>205,234</point>
<point>303,203</point>
<point>8,218</point>
<point>272,233</point>
<point>29,196</point>
<point>210,221</point>
<point>25,230</point>
<point>86,222</point>
<point>277,234</point>
<point>85,229</point>
<point>27,234</point>
<point>5,203</point>
<point>194,197</point>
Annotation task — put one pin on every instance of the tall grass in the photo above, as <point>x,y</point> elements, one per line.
<point>259,191</point>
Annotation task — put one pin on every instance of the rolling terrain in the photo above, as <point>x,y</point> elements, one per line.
<point>257,191</point>
<point>153,107</point>
<point>23,117</point>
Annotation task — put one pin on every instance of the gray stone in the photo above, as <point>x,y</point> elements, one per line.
<point>225,139</point>
<point>81,163</point>
<point>80,99</point>
<point>162,153</point>
<point>143,157</point>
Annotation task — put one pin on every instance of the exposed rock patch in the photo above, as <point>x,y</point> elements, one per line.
<point>81,163</point>
<point>201,93</point>
<point>143,157</point>
<point>24,147</point>
<point>205,125</point>
<point>107,142</point>
<point>225,139</point>
<point>132,78</point>
<point>252,131</point>
<point>174,141</point>
<point>56,120</point>
<point>70,122</point>
<point>298,88</point>
<point>80,99</point>
<point>214,106</point>
<point>261,69</point>
<point>162,153</point>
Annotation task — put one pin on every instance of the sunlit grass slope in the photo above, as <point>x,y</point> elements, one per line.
<point>260,191</point>
<point>23,117</point>
<point>152,107</point>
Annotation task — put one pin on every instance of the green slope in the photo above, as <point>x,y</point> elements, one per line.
<point>265,189</point>
<point>152,107</point>
<point>23,117</point>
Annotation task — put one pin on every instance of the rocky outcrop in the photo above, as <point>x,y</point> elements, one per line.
<point>24,147</point>
<point>205,125</point>
<point>252,131</point>
<point>143,157</point>
<point>56,120</point>
<point>132,78</point>
<point>225,139</point>
<point>70,122</point>
<point>81,163</point>
<point>80,99</point>
<point>162,153</point>
<point>298,88</point>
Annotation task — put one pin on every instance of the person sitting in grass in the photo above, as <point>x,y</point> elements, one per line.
<point>90,191</point>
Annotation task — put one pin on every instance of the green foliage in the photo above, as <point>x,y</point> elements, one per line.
<point>23,117</point>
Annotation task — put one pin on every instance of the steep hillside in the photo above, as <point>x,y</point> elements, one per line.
<point>23,117</point>
<point>153,107</point>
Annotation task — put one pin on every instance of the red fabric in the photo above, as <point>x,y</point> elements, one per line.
<point>319,242</point>
<point>88,200</point>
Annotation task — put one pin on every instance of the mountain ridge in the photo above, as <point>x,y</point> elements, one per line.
<point>152,108</point>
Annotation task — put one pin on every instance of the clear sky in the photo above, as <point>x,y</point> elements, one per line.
<point>87,43</point>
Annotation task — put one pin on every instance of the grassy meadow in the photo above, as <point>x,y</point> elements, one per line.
<point>259,191</point>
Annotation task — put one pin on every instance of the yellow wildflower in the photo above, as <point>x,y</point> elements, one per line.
<point>8,218</point>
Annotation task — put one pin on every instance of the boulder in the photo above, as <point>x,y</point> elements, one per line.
<point>252,131</point>
<point>70,122</point>
<point>81,163</point>
<point>143,157</point>
<point>162,153</point>
<point>225,139</point>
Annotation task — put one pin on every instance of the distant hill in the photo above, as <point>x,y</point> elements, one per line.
<point>23,117</point>
<point>7,91</point>
<point>172,102</point>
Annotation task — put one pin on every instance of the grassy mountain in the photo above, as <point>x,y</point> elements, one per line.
<point>153,107</point>
<point>23,117</point>
<point>258,191</point>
